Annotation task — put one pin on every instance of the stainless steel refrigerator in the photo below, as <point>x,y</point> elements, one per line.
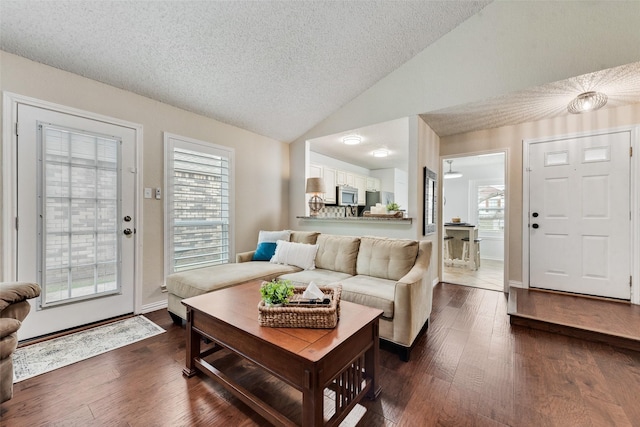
<point>373,197</point>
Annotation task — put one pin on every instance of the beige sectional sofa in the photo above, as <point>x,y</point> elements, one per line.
<point>385,273</point>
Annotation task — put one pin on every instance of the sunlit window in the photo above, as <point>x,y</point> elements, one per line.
<point>491,207</point>
<point>198,201</point>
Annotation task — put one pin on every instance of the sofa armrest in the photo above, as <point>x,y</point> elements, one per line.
<point>244,256</point>
<point>413,298</point>
<point>7,327</point>
<point>14,292</point>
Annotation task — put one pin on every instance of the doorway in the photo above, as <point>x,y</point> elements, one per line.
<point>474,207</point>
<point>74,201</point>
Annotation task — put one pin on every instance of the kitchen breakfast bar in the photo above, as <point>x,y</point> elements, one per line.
<point>457,232</point>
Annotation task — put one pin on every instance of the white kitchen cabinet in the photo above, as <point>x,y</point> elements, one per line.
<point>315,171</point>
<point>341,177</point>
<point>329,175</point>
<point>351,179</point>
<point>360,182</point>
<point>373,184</point>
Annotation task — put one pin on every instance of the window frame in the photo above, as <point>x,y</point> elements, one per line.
<point>474,186</point>
<point>170,142</point>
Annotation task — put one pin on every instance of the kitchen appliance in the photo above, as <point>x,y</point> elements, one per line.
<point>346,195</point>
<point>373,197</point>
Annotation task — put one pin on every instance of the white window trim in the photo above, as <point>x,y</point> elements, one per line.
<point>473,206</point>
<point>10,103</point>
<point>231,153</point>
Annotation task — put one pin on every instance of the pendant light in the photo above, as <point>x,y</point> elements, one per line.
<point>451,174</point>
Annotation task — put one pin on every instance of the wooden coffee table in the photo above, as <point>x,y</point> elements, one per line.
<point>343,360</point>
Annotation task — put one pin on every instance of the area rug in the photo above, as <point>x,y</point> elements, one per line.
<point>45,356</point>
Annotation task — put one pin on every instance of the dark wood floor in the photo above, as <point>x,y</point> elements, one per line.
<point>471,367</point>
<point>599,319</point>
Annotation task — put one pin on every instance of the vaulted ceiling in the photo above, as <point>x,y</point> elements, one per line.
<point>277,68</point>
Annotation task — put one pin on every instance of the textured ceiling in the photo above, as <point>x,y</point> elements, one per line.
<point>620,84</point>
<point>276,68</point>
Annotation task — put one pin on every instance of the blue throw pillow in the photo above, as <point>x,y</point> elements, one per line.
<point>264,251</point>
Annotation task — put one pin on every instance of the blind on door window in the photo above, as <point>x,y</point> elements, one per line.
<point>198,206</point>
<point>78,192</point>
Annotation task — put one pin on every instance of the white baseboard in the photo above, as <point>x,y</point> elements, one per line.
<point>516,284</point>
<point>435,282</point>
<point>153,306</point>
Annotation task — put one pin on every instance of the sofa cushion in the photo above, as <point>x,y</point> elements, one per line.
<point>273,236</point>
<point>300,255</point>
<point>337,253</point>
<point>267,244</point>
<point>386,258</point>
<point>199,281</point>
<point>370,291</point>
<point>264,251</point>
<point>320,276</point>
<point>308,237</point>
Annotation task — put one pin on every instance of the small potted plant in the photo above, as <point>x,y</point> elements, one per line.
<point>276,292</point>
<point>393,207</point>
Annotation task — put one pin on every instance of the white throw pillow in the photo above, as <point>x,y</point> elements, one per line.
<point>273,236</point>
<point>301,255</point>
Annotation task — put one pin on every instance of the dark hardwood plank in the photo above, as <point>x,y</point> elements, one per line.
<point>593,318</point>
<point>471,367</point>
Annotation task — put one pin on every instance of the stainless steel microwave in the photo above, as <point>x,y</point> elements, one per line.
<point>346,195</point>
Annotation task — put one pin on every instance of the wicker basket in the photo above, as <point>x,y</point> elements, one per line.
<point>303,316</point>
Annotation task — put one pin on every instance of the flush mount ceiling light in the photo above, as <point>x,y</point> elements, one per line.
<point>352,140</point>
<point>451,174</point>
<point>587,101</point>
<point>380,153</point>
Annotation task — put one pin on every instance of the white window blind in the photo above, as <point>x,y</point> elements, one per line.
<point>78,195</point>
<point>491,207</point>
<point>197,204</point>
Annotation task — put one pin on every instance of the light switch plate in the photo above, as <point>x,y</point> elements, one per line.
<point>147,193</point>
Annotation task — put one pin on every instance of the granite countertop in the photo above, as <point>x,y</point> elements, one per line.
<point>356,218</point>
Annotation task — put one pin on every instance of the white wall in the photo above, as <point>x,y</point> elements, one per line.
<point>510,138</point>
<point>262,164</point>
<point>576,38</point>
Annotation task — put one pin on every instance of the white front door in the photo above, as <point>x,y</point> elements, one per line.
<point>579,215</point>
<point>76,227</point>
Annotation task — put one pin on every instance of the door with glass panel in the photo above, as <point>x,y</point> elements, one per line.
<point>75,216</point>
<point>579,219</point>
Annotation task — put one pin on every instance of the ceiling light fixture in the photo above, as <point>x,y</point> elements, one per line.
<point>352,140</point>
<point>380,153</point>
<point>451,174</point>
<point>587,101</point>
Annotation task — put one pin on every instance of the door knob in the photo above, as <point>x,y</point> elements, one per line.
<point>127,218</point>
<point>535,214</point>
<point>127,231</point>
<point>535,225</point>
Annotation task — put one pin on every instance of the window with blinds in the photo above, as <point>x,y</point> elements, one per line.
<point>197,204</point>
<point>491,207</point>
<point>78,209</point>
